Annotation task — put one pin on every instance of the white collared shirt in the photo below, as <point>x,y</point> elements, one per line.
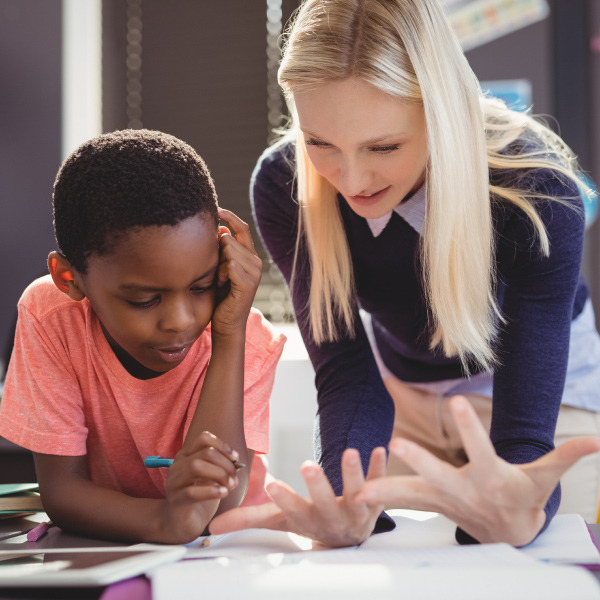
<point>411,210</point>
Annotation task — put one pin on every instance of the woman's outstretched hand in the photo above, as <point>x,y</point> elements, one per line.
<point>489,498</point>
<point>332,520</point>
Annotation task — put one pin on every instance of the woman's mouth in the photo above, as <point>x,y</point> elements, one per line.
<point>369,199</point>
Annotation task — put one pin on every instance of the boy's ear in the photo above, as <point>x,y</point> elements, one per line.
<point>63,275</point>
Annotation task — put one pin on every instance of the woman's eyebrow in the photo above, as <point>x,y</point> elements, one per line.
<point>376,140</point>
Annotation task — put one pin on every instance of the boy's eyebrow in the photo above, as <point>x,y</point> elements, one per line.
<point>149,288</point>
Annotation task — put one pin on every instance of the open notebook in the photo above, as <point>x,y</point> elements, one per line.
<point>419,559</point>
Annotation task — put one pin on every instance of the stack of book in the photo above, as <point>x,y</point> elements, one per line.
<point>18,499</point>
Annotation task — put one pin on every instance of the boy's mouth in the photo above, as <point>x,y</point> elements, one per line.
<point>174,353</point>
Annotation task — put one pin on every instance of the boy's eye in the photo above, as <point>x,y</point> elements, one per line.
<point>145,304</point>
<point>200,290</point>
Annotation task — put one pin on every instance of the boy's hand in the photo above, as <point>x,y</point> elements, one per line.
<point>200,476</point>
<point>238,277</point>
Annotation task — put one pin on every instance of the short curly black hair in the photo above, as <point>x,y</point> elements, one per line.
<point>124,180</point>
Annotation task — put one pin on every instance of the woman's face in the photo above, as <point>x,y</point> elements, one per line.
<point>372,147</point>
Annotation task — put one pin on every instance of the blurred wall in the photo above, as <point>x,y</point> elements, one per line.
<point>203,79</point>
<point>556,56</point>
<point>30,143</point>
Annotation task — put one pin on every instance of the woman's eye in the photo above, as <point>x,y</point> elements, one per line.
<point>317,143</point>
<point>145,304</point>
<point>385,149</point>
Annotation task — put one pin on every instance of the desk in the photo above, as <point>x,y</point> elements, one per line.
<point>55,538</point>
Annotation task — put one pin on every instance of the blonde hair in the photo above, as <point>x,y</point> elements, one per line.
<point>407,49</point>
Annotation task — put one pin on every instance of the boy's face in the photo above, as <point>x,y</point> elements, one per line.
<point>155,293</point>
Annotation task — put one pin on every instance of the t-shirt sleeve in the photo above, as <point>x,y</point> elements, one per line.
<point>263,350</point>
<point>354,407</point>
<point>41,407</point>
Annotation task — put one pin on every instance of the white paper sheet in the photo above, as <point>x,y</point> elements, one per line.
<point>420,559</point>
<point>257,579</point>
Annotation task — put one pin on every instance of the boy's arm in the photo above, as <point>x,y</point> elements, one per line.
<point>196,482</point>
<point>220,407</point>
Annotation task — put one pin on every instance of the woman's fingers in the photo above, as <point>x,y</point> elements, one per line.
<point>547,470</point>
<point>404,491</point>
<point>354,479</point>
<point>240,229</point>
<point>352,474</point>
<point>263,516</point>
<point>377,464</point>
<point>437,472</point>
<point>318,485</point>
<point>475,439</point>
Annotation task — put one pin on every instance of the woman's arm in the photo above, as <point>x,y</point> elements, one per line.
<point>508,491</point>
<point>355,410</point>
<point>533,345</point>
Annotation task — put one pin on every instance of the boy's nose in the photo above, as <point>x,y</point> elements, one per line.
<point>178,316</point>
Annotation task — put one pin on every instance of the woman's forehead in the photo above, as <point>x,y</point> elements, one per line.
<point>353,108</point>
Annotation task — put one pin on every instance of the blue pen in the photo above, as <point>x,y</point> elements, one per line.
<point>157,461</point>
<point>153,462</point>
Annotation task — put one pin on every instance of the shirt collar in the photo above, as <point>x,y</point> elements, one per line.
<point>412,211</point>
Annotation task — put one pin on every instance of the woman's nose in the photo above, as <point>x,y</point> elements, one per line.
<point>354,178</point>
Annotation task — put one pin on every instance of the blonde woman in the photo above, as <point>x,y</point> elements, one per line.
<point>432,241</point>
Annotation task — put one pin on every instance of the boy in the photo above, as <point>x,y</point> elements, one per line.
<point>141,342</point>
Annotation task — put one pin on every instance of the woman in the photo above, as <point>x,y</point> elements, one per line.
<point>456,226</point>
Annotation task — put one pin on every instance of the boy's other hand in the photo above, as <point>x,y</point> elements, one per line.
<point>201,475</point>
<point>239,274</point>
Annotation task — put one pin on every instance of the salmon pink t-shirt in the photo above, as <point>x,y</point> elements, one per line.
<point>66,393</point>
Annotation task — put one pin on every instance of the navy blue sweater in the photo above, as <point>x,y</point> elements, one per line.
<point>538,297</point>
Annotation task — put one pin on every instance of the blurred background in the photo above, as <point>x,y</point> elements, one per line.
<point>206,72</point>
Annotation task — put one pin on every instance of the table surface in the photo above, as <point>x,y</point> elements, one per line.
<point>55,538</point>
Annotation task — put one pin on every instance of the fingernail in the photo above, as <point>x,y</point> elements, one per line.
<point>223,490</point>
<point>231,482</point>
<point>234,454</point>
